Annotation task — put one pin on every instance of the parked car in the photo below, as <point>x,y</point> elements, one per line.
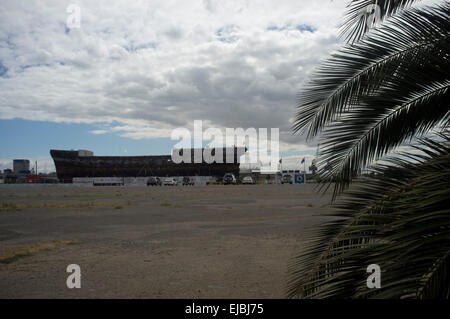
<point>287,179</point>
<point>188,181</point>
<point>170,182</point>
<point>154,181</point>
<point>248,180</point>
<point>229,179</point>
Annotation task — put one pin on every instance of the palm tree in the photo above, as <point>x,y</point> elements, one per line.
<point>389,86</point>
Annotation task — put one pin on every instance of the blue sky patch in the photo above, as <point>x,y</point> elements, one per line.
<point>136,47</point>
<point>227,34</point>
<point>300,27</point>
<point>3,69</point>
<point>23,139</point>
<point>305,27</point>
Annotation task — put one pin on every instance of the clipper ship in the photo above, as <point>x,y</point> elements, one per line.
<point>83,163</point>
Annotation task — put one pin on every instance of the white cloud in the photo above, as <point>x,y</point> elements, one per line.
<point>152,66</point>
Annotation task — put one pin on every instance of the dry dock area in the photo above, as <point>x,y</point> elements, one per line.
<point>153,242</point>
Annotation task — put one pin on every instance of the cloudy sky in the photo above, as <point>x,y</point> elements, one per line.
<point>136,70</point>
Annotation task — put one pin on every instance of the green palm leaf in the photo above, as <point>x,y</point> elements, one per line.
<point>388,221</point>
<point>359,13</point>
<point>367,133</point>
<point>361,95</point>
<point>384,89</point>
<point>358,69</point>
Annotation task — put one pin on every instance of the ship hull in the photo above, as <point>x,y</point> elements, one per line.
<point>69,165</point>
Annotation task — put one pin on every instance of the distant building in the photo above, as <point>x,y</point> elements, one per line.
<point>21,166</point>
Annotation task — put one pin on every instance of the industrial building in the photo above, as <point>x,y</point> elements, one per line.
<point>21,166</point>
<point>21,174</point>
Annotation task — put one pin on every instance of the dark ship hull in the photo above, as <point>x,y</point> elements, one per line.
<point>70,164</point>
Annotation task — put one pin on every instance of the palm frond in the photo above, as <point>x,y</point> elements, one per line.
<point>371,97</point>
<point>359,13</point>
<point>366,133</point>
<point>399,219</point>
<point>357,70</point>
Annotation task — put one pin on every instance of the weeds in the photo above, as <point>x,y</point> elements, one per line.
<point>8,207</point>
<point>13,253</point>
<point>20,206</point>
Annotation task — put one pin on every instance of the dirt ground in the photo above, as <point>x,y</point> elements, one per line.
<point>154,242</point>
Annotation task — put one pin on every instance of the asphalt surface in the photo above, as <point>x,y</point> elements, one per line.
<point>156,242</point>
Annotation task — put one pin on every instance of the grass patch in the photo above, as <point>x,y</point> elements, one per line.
<point>13,253</point>
<point>166,204</point>
<point>20,206</point>
<point>8,207</point>
<point>12,259</point>
<point>178,206</point>
<point>310,205</point>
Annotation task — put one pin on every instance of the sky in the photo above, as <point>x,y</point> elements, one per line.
<point>135,70</point>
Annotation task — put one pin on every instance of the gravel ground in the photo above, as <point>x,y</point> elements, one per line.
<point>156,242</point>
